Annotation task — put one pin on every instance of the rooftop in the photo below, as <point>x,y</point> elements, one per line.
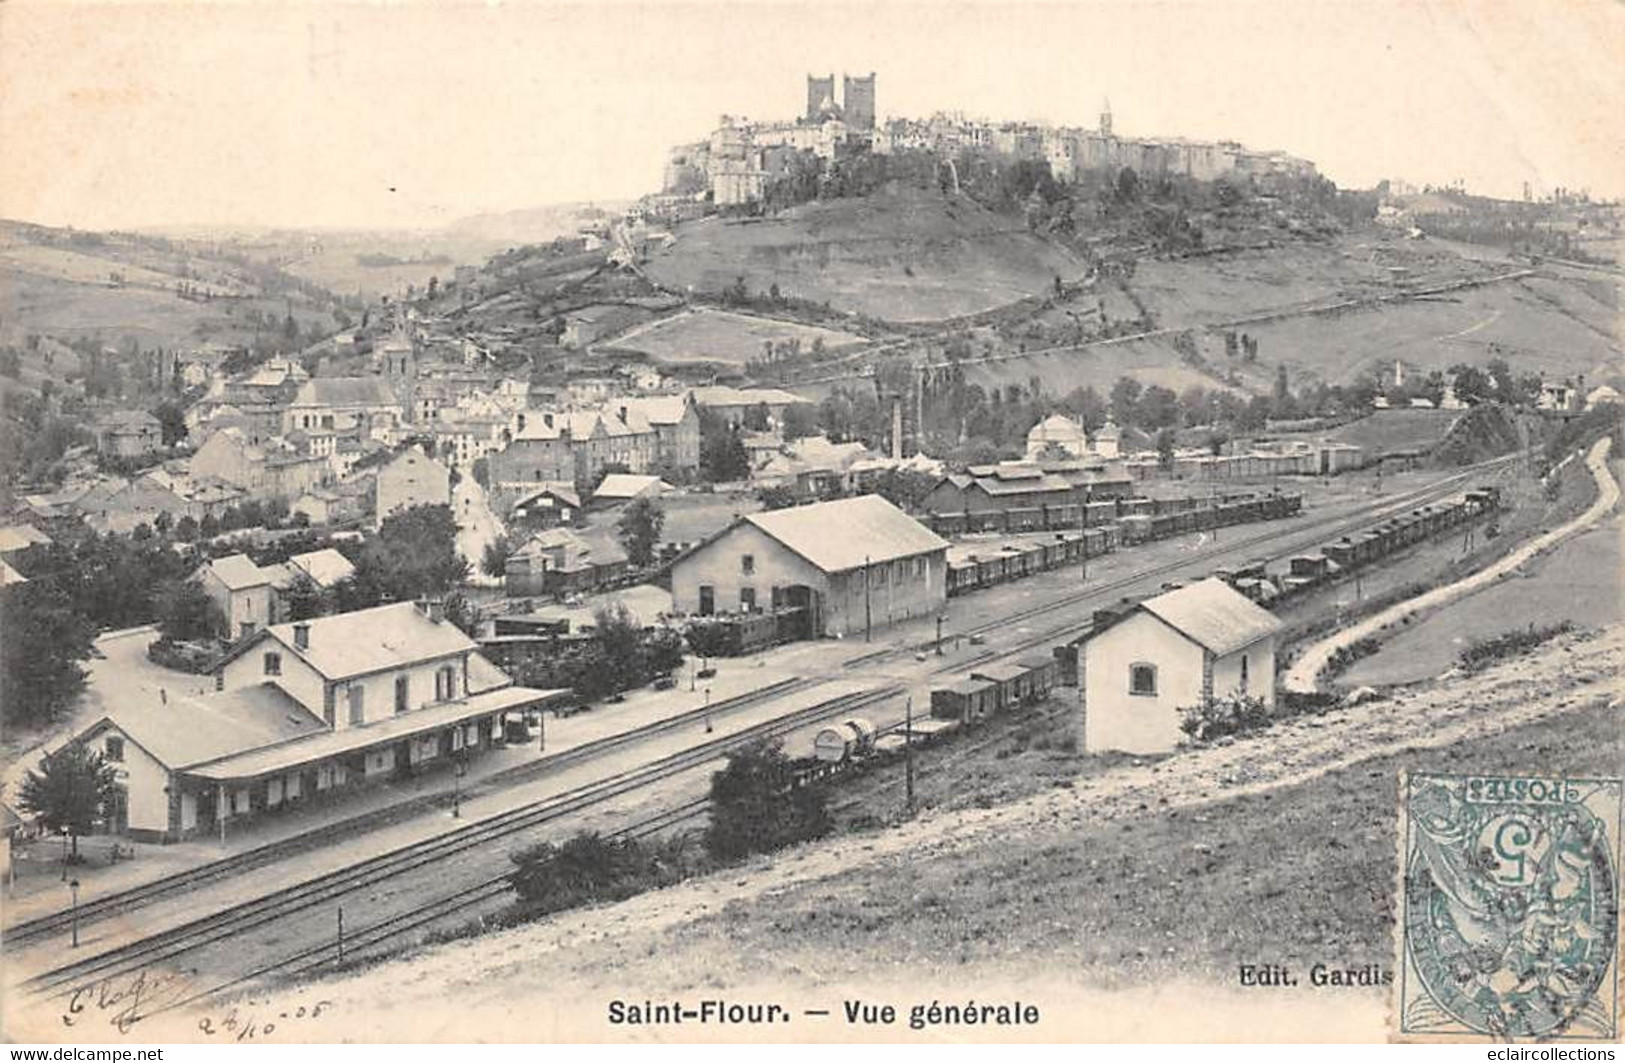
<point>1213,614</point>
<point>345,391</point>
<point>186,730</point>
<point>849,532</point>
<point>367,640</point>
<point>238,572</point>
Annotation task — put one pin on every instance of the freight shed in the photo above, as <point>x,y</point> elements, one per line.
<point>856,564</point>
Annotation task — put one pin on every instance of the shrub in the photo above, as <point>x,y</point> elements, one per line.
<point>755,810</point>
<point>1482,652</point>
<point>590,867</point>
<point>1218,717</point>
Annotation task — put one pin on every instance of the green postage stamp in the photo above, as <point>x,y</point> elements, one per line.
<point>1508,908</point>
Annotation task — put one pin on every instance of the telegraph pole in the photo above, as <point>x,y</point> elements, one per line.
<point>341,933</point>
<point>868,613</point>
<point>908,751</point>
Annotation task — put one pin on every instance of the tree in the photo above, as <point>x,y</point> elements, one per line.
<point>1158,408</point>
<point>753,808</point>
<point>639,530</point>
<point>723,456</point>
<point>186,613</point>
<point>1125,399</point>
<point>776,496</point>
<point>69,791</point>
<point>171,422</point>
<point>415,554</point>
<point>463,614</point>
<point>800,420</point>
<point>302,599</point>
<point>1471,384</point>
<point>40,673</point>
<point>494,561</point>
<point>1165,448</point>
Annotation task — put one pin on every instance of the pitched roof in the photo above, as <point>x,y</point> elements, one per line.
<point>324,567</point>
<point>628,485</point>
<point>9,576</point>
<point>367,640</point>
<point>1213,614</point>
<point>345,391</point>
<point>659,409</point>
<point>194,729</point>
<point>849,532</point>
<point>238,572</point>
<point>20,537</point>
<point>127,420</point>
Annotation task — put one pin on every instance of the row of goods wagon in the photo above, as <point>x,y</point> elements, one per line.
<point>1142,520</point>
<point>1213,511</point>
<point>999,686</point>
<point>1350,553</point>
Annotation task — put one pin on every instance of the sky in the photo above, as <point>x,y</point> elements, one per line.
<point>414,114</point>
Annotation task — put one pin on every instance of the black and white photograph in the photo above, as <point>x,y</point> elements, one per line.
<point>802,523</point>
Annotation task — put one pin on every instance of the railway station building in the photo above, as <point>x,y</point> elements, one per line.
<point>856,564</point>
<point>1144,664</point>
<point>307,712</point>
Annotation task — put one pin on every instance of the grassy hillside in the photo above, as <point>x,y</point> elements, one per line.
<point>117,287</point>
<point>906,255</point>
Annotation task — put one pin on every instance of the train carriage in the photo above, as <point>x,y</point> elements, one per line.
<point>1010,681</point>
<point>967,701</point>
<point>1042,675</point>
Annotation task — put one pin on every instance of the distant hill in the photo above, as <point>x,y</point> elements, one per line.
<point>906,255</point>
<point>156,291</point>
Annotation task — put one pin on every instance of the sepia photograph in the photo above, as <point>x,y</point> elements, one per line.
<point>705,521</point>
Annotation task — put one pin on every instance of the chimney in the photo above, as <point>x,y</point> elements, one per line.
<point>547,419</point>
<point>301,636</point>
<point>623,414</point>
<point>433,608</point>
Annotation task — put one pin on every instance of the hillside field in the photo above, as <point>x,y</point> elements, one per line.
<point>899,256</point>
<point>707,335</point>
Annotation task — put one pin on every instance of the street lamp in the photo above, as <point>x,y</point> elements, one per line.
<point>458,771</point>
<point>940,619</point>
<point>707,710</point>
<point>73,890</point>
<point>64,853</point>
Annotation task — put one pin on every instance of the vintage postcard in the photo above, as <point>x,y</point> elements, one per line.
<point>777,522</point>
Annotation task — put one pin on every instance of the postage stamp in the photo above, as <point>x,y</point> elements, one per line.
<point>1508,907</point>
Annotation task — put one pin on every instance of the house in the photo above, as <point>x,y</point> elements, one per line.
<point>676,424</point>
<point>243,590</point>
<point>15,538</point>
<point>11,826</point>
<point>1057,437</point>
<point>364,407</point>
<point>736,405</point>
<point>619,488</point>
<point>128,434</point>
<point>554,505</point>
<point>1143,665</point>
<point>593,323</point>
<point>561,561</point>
<point>854,564</point>
<point>411,478</point>
<point>326,568</point>
<point>1601,395</point>
<point>307,712</point>
<point>267,470</point>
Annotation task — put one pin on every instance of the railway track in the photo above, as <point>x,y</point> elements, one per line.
<point>1310,529</point>
<point>168,945</point>
<point>137,897</point>
<point>386,932</point>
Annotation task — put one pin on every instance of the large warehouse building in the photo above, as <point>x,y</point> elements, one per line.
<point>858,564</point>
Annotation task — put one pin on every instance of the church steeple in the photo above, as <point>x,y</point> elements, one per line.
<point>1106,117</point>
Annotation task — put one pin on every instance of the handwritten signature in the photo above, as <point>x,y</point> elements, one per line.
<point>127,999</point>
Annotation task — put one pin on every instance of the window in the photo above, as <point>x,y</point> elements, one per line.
<point>273,664</point>
<point>747,599</point>
<point>358,704</point>
<point>708,600</point>
<point>747,564</point>
<point>445,683</point>
<point>403,693</point>
<point>329,713</point>
<point>1244,673</point>
<point>114,748</point>
<point>1142,680</point>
